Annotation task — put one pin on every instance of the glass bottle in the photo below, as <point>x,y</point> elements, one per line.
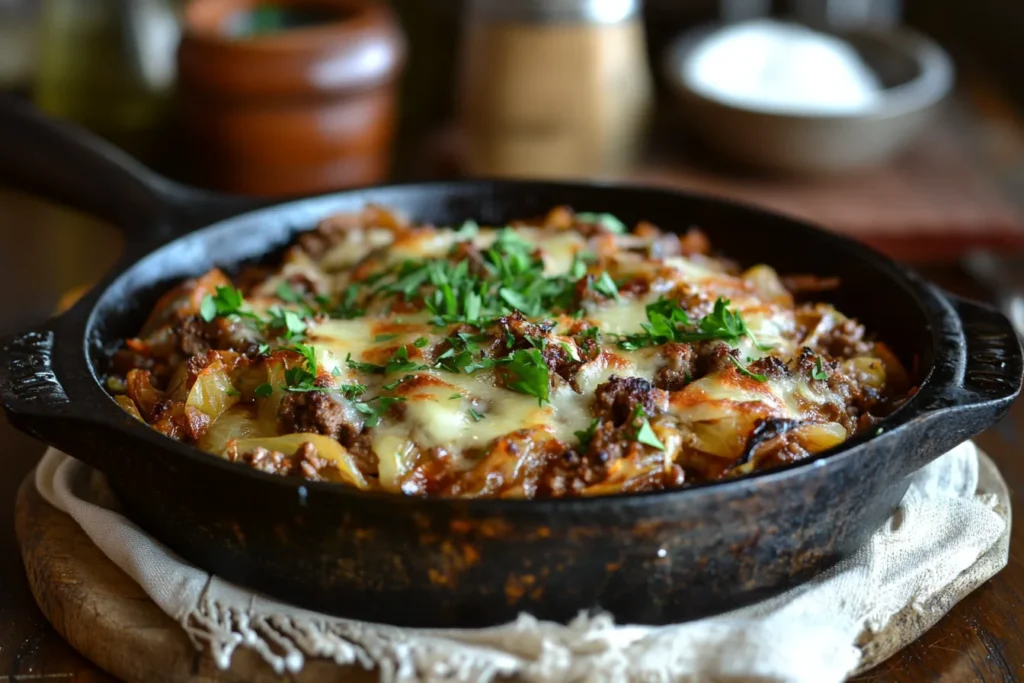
<point>554,88</point>
<point>108,65</point>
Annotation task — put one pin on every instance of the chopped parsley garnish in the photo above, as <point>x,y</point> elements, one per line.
<point>400,362</point>
<point>286,293</point>
<point>536,342</point>
<point>352,391</point>
<point>263,390</point>
<point>348,307</point>
<point>369,368</point>
<point>468,230</point>
<point>376,407</point>
<point>819,372</point>
<point>587,435</point>
<point>394,385</point>
<point>227,301</point>
<point>744,371</point>
<point>605,220</point>
<point>605,285</point>
<point>578,269</point>
<point>461,356</point>
<point>301,379</point>
<point>454,397</point>
<point>475,415</point>
<point>208,308</point>
<point>508,276</point>
<point>421,342</point>
<point>645,433</point>
<point>668,322</point>
<point>726,324</point>
<point>529,374</point>
<point>384,337</point>
<point>263,349</point>
<point>288,320</point>
<point>646,436</point>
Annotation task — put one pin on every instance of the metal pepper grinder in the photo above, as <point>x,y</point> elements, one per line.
<point>553,88</point>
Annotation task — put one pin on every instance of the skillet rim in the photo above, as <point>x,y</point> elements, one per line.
<point>84,319</point>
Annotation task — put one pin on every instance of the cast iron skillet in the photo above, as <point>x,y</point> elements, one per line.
<point>648,558</point>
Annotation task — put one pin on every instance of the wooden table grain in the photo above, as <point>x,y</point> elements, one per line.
<point>45,250</point>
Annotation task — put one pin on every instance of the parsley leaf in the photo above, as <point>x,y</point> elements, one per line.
<point>578,269</point>
<point>227,301</point>
<point>645,433</point>
<point>605,220</point>
<point>263,390</point>
<point>529,374</point>
<point>208,308</point>
<point>819,373</point>
<point>376,407</point>
<point>400,362</point>
<point>646,436</point>
<point>352,391</point>
<point>605,285</point>
<point>745,371</point>
<point>288,320</point>
<point>571,351</point>
<point>394,385</point>
<point>369,368</point>
<point>286,293</point>
<point>421,342</point>
<point>587,435</point>
<point>348,308</point>
<point>468,230</point>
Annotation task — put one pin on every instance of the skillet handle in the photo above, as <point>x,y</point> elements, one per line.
<point>992,375</point>
<point>57,160</point>
<point>982,391</point>
<point>29,388</point>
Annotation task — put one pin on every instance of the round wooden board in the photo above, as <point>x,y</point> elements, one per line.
<point>107,617</point>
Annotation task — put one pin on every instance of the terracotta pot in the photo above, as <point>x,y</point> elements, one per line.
<point>294,111</point>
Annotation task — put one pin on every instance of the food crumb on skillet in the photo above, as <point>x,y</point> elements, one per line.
<point>565,356</point>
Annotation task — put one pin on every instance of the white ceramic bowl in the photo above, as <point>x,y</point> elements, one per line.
<point>916,75</point>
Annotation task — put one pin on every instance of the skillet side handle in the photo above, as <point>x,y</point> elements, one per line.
<point>29,390</point>
<point>995,363</point>
<point>57,160</point>
<point>991,380</point>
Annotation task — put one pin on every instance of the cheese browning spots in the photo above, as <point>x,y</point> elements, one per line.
<point>567,356</point>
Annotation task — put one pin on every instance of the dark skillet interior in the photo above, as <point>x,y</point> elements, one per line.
<point>651,558</point>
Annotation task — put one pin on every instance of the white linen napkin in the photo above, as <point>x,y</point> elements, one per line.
<point>949,535</point>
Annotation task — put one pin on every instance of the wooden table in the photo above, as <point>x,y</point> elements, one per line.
<point>45,250</point>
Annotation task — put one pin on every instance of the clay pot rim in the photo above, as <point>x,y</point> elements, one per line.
<point>204,22</point>
<point>363,51</point>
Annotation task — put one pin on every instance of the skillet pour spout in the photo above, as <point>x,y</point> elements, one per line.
<point>647,558</point>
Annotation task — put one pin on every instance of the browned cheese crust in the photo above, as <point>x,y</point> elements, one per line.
<point>564,356</point>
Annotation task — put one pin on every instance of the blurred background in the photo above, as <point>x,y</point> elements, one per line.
<point>893,121</point>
